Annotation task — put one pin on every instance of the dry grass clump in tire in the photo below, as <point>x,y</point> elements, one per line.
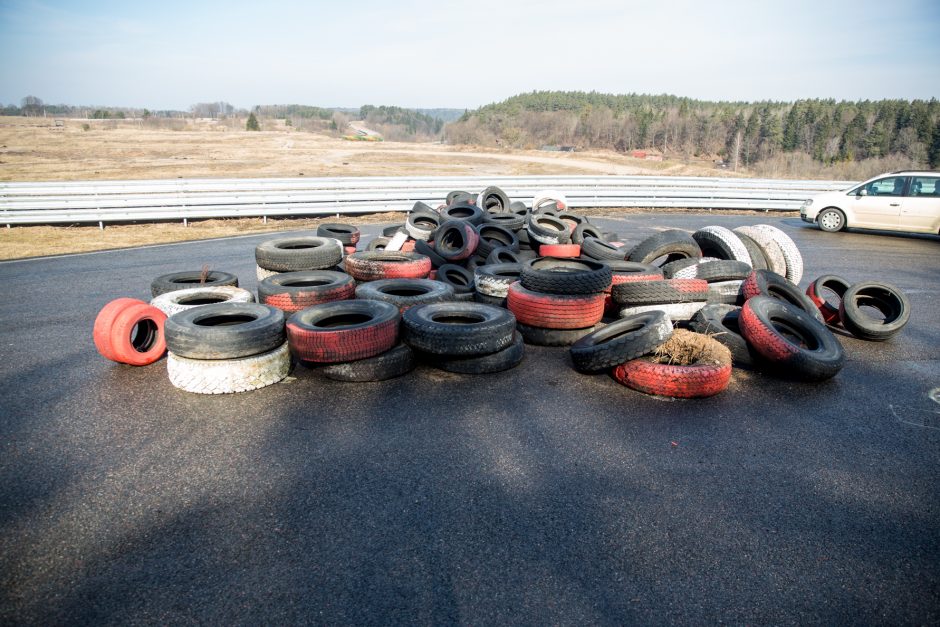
<point>685,348</point>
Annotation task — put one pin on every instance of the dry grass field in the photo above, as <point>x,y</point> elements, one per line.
<point>36,149</point>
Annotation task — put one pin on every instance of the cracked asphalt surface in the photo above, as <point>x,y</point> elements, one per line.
<point>534,496</point>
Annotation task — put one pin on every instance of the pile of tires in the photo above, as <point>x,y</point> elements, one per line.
<point>464,286</point>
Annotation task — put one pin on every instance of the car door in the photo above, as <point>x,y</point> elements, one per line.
<point>880,206</point>
<point>920,209</point>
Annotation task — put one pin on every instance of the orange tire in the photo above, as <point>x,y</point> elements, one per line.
<point>130,331</point>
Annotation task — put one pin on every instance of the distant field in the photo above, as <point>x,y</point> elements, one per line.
<point>35,149</point>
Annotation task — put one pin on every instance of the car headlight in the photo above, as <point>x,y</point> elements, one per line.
<point>806,203</point>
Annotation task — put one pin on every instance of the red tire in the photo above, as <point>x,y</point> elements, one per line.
<point>349,249</point>
<point>706,377</point>
<point>374,265</point>
<point>408,246</point>
<point>130,331</point>
<point>555,311</point>
<point>835,284</point>
<point>343,331</point>
<point>293,291</point>
<point>560,250</point>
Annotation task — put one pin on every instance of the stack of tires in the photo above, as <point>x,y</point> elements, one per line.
<point>226,347</point>
<point>558,300</point>
<point>464,337</point>
<point>346,234</point>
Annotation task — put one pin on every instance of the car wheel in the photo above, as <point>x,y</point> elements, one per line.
<point>831,220</point>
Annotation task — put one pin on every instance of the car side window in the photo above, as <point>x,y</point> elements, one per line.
<point>925,186</point>
<point>891,186</point>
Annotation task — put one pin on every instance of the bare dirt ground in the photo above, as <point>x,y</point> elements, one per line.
<point>36,149</point>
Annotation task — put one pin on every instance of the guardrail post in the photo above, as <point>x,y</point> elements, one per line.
<point>101,224</point>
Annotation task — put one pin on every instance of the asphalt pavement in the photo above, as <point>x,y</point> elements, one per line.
<point>533,496</point>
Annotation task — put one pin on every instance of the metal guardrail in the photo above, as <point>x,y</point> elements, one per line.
<point>185,199</point>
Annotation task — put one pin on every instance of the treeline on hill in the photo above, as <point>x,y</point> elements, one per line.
<point>822,131</point>
<point>398,124</point>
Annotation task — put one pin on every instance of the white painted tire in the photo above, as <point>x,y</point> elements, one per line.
<point>491,286</point>
<point>227,376</point>
<point>675,311</point>
<point>548,196</point>
<point>691,272</point>
<point>790,252</point>
<point>728,240</point>
<point>773,253</point>
<point>175,301</point>
<point>263,273</point>
<point>724,292</point>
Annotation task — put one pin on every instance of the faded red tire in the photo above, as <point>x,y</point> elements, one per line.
<point>408,246</point>
<point>349,249</point>
<point>817,293</point>
<point>555,311</point>
<point>130,331</point>
<point>455,240</point>
<point>374,265</point>
<point>706,377</point>
<point>343,330</point>
<point>560,250</point>
<point>768,283</point>
<point>293,291</point>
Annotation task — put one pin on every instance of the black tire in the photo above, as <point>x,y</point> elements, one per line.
<point>485,299</point>
<point>422,207</point>
<point>831,220</point>
<point>378,243</point>
<point>573,220</point>
<point>790,340</point>
<point>509,357</point>
<point>721,322</point>
<point>502,254</point>
<point>391,231</point>
<point>518,207</point>
<point>346,233</point>
<point>423,248</point>
<point>715,270</point>
<point>662,292</point>
<point>525,243</point>
<point>758,259</point>
<point>621,341</point>
<point>405,293</point>
<point>631,268</point>
<point>462,211</point>
<point>493,236</point>
<point>457,277</point>
<point>494,279</point>
<point>887,299</point>
<point>540,336</point>
<point>553,275</point>
<point>546,229</point>
<point>388,365</point>
<point>596,248</point>
<point>767,283</point>
<point>185,280</point>
<point>459,196</point>
<point>507,220</point>
<point>290,254</point>
<point>672,244</point>
<point>584,231</point>
<point>456,239</point>
<point>493,200</point>
<point>670,269</point>
<point>459,328</point>
<point>225,331</point>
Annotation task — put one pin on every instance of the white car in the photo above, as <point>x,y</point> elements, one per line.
<point>898,201</point>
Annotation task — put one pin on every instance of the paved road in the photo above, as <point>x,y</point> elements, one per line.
<point>536,496</point>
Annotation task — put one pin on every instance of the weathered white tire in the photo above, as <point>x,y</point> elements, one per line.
<point>547,196</point>
<point>175,301</point>
<point>772,251</point>
<point>790,252</point>
<point>226,376</point>
<point>262,273</point>
<point>675,311</point>
<point>491,286</point>
<point>727,239</point>
<point>691,272</point>
<point>724,292</point>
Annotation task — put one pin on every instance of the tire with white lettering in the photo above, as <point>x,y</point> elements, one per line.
<point>790,339</point>
<point>228,376</point>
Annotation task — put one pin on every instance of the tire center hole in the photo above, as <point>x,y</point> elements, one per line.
<point>404,291</point>
<point>224,320</point>
<point>794,335</point>
<point>449,318</point>
<point>342,320</point>
<point>306,283</point>
<point>144,335</point>
<point>201,300</point>
<point>296,246</point>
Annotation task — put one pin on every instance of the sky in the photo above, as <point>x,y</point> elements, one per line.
<point>463,53</point>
